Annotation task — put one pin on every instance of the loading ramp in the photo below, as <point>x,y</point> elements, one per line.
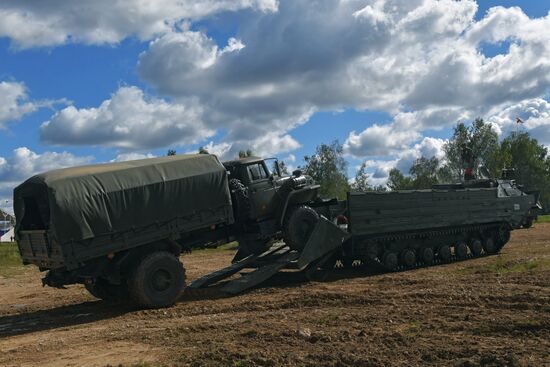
<point>325,239</point>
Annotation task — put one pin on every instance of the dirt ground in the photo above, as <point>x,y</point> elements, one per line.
<point>493,311</point>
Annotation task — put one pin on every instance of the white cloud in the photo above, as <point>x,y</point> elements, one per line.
<point>128,120</point>
<point>378,140</point>
<point>23,163</point>
<point>14,102</point>
<point>417,60</point>
<point>221,150</point>
<point>379,169</point>
<point>123,157</point>
<point>535,114</point>
<point>51,23</point>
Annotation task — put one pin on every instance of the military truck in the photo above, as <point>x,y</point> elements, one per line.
<point>119,228</point>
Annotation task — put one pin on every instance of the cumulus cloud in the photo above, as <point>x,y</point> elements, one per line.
<point>123,157</point>
<point>52,23</point>
<point>417,60</point>
<point>24,163</point>
<point>14,102</point>
<point>428,147</point>
<point>420,61</point>
<point>128,120</point>
<point>535,114</point>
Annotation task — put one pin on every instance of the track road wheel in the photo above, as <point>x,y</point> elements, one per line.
<point>476,247</point>
<point>444,253</point>
<point>461,251</point>
<point>299,226</point>
<point>157,281</point>
<point>106,291</point>
<point>427,255</point>
<point>408,258</point>
<point>503,235</point>
<point>347,262</point>
<point>390,260</point>
<point>489,246</point>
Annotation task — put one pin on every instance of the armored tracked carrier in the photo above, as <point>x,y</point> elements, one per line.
<point>406,229</point>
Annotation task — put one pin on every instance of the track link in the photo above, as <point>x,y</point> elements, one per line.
<point>482,232</point>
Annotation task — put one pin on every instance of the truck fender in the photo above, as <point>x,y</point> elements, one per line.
<point>299,196</point>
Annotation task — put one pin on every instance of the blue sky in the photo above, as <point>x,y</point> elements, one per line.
<point>387,78</point>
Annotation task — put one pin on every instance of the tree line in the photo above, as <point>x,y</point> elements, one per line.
<point>524,158</point>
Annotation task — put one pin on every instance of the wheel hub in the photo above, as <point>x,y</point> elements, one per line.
<point>161,280</point>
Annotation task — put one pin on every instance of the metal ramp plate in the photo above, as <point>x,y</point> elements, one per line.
<point>260,275</point>
<point>228,271</point>
<point>326,237</point>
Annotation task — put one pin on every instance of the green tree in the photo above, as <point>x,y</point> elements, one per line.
<point>424,172</point>
<point>361,182</point>
<point>203,150</point>
<point>529,160</point>
<point>171,152</point>
<point>329,169</point>
<point>479,137</point>
<point>398,181</point>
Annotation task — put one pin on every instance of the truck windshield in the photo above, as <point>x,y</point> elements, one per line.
<point>257,171</point>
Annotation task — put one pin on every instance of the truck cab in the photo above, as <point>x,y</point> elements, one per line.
<point>260,182</point>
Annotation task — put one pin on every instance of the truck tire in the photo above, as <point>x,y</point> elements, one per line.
<point>299,226</point>
<point>157,281</point>
<point>241,202</point>
<point>106,291</point>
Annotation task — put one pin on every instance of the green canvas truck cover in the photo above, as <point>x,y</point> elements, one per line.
<point>80,203</point>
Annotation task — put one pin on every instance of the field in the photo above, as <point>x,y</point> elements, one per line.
<point>493,311</point>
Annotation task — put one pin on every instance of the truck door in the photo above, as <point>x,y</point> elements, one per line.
<point>261,190</point>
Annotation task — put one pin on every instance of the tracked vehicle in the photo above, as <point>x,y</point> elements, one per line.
<point>407,229</point>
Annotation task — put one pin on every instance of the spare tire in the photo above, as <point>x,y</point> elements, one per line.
<point>299,226</point>
<point>239,197</point>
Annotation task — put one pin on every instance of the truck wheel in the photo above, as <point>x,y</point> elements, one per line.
<point>106,291</point>
<point>299,226</point>
<point>157,281</point>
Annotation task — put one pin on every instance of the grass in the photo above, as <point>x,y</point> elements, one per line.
<point>502,266</point>
<point>227,247</point>
<point>413,328</point>
<point>543,219</point>
<point>10,262</point>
